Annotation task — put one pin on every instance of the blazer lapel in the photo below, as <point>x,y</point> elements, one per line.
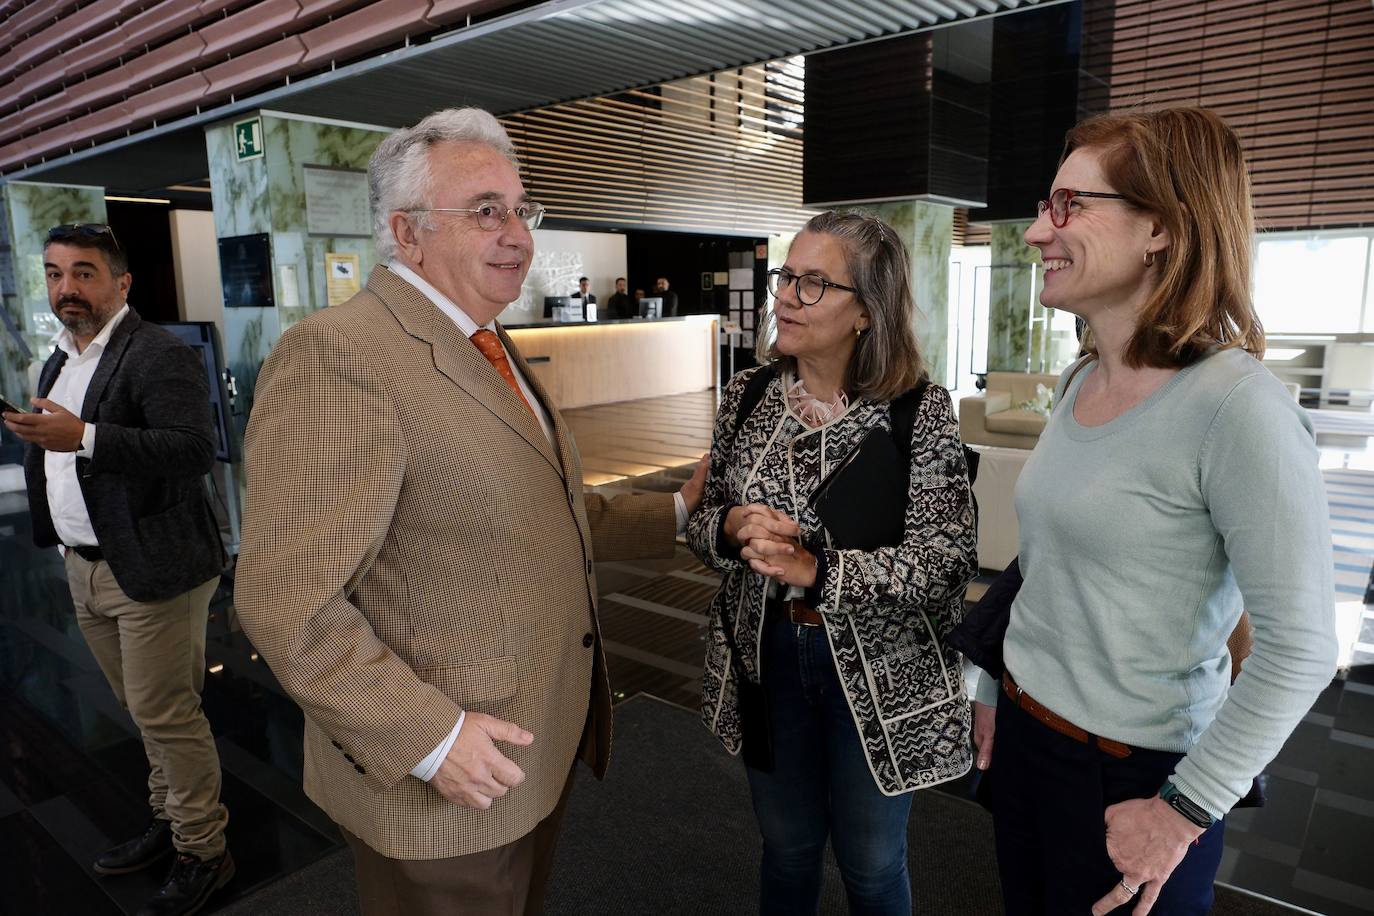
<point>109,360</point>
<point>51,369</point>
<point>459,360</point>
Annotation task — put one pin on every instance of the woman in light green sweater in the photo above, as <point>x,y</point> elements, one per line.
<point>1176,483</point>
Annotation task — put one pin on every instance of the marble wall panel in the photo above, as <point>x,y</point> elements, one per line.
<point>1015,298</point>
<point>30,209</point>
<point>927,230</point>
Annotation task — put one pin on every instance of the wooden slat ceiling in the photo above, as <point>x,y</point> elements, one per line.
<point>1295,78</point>
<point>707,154</point>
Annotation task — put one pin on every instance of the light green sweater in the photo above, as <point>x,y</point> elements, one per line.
<point>1142,539</point>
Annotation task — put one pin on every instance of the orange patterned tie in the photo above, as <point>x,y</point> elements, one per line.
<point>491,348</point>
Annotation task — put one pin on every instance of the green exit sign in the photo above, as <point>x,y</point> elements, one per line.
<point>248,139</point>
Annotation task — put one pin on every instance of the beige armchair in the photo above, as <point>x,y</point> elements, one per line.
<point>992,418</point>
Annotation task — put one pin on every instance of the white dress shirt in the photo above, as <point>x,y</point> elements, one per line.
<point>70,517</point>
<point>426,768</point>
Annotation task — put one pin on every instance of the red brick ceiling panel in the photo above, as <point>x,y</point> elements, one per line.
<point>33,17</point>
<point>14,153</point>
<point>255,68</point>
<point>28,86</point>
<point>40,113</point>
<point>446,12</point>
<point>162,21</point>
<point>376,24</point>
<point>176,96</point>
<point>24,54</point>
<point>318,9</point>
<point>96,53</point>
<point>161,63</point>
<point>96,90</point>
<point>249,27</point>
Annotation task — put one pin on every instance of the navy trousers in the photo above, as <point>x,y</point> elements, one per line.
<point>1048,794</point>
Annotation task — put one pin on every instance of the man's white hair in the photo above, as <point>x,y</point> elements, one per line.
<point>398,176</point>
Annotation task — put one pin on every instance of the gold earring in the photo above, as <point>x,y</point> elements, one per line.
<point>858,332</point>
<point>1149,258</point>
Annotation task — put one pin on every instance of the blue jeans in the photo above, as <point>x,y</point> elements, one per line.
<point>822,786</point>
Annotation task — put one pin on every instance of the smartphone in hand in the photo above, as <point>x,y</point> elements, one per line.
<point>7,407</point>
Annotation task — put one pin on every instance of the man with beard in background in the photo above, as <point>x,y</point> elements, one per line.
<point>121,437</point>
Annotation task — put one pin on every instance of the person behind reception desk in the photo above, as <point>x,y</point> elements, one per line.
<point>669,297</point>
<point>417,546</point>
<point>584,292</point>
<point>620,305</point>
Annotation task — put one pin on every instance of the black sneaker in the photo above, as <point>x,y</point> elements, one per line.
<point>152,846</point>
<point>189,884</point>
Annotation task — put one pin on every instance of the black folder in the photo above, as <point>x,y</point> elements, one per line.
<point>862,502</point>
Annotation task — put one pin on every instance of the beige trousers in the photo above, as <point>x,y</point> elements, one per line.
<point>153,655</point>
<point>509,880</point>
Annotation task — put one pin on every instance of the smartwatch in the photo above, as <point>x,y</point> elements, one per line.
<point>1191,810</point>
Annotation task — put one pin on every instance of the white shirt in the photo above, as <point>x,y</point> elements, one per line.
<point>70,516</point>
<point>426,768</point>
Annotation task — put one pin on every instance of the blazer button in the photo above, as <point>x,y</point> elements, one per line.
<point>337,745</point>
<point>587,641</point>
<point>359,768</point>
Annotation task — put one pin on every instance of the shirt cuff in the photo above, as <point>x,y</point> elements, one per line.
<point>425,769</point>
<point>680,509</point>
<point>87,449</point>
<point>987,689</point>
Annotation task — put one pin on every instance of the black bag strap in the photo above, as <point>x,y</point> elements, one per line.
<point>753,393</point>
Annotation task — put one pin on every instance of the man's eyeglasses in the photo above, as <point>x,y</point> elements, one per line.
<point>810,288</point>
<point>491,217</point>
<point>84,233</point>
<point>1058,204</point>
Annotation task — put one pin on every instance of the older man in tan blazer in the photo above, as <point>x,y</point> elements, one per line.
<point>417,552</point>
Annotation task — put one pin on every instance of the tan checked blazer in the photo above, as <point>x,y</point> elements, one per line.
<point>413,545</point>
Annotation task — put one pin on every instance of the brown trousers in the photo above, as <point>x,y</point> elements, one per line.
<point>153,655</point>
<point>509,880</point>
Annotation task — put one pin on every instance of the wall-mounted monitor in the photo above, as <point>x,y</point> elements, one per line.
<point>245,271</point>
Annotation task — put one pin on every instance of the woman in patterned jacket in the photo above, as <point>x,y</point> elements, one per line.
<point>864,704</point>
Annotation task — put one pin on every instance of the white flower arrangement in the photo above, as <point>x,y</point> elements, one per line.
<point>1041,403</point>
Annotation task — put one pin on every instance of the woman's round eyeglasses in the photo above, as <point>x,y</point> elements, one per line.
<point>810,288</point>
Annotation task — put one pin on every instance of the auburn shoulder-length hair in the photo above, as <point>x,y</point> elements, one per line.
<point>1185,166</point>
<point>886,360</point>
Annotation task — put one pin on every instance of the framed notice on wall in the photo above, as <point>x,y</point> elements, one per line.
<point>343,277</point>
<point>336,202</point>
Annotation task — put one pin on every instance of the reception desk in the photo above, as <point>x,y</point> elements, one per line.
<point>598,362</point>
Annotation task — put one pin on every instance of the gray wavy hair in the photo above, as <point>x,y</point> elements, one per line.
<point>887,358</point>
<point>398,175</point>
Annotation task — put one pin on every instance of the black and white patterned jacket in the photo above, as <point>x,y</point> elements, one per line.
<point>886,610</point>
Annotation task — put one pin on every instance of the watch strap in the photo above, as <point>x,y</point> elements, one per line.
<point>1191,810</point>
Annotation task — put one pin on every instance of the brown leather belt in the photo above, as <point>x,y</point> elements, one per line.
<point>794,610</point>
<point>1059,723</point>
